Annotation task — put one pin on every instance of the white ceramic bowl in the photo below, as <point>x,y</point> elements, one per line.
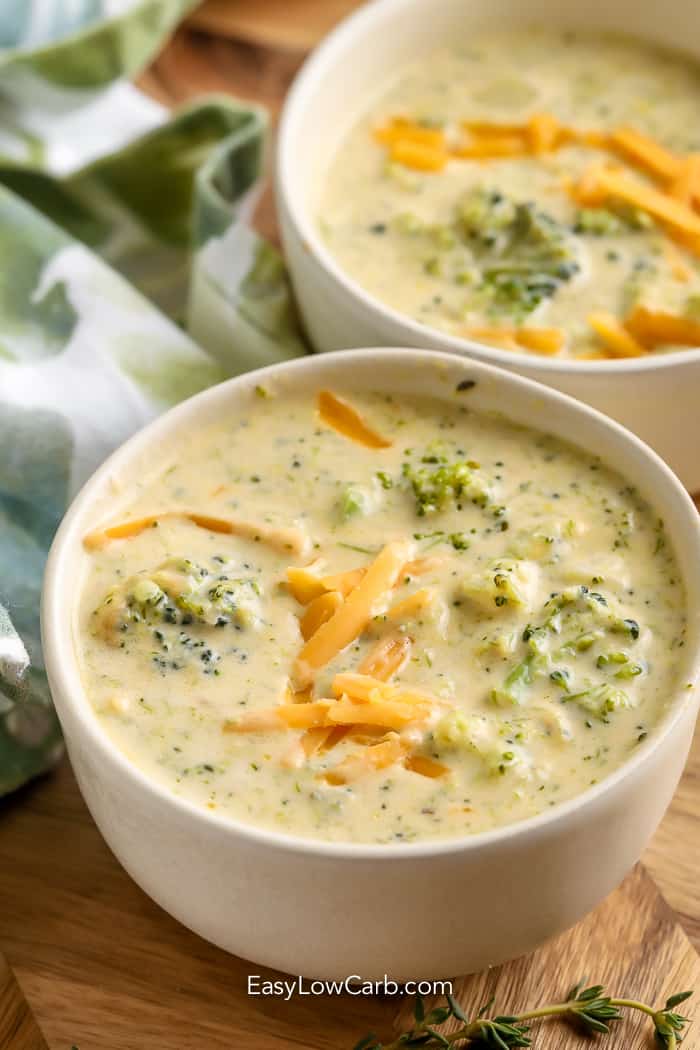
<point>656,397</point>
<point>330,910</point>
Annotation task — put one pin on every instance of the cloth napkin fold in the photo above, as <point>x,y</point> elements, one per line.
<point>131,279</point>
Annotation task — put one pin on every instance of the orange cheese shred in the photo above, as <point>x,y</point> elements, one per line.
<point>654,328</point>
<point>426,767</point>
<point>592,137</point>
<point>368,690</point>
<point>284,539</point>
<point>685,186</point>
<point>399,129</point>
<point>346,420</point>
<point>588,191</point>
<point>304,585</point>
<point>315,740</point>
<point>344,582</point>
<point>99,538</point>
<point>351,618</point>
<point>494,336</point>
<point>486,128</point>
<point>390,713</point>
<point>318,612</point>
<point>413,605</point>
<point>543,133</point>
<point>657,204</point>
<point>645,153</point>
<point>419,566</point>
<point>491,147</point>
<point>304,716</point>
<point>547,341</point>
<point>372,758</point>
<point>417,155</point>
<point>386,657</point>
<point>614,336</point>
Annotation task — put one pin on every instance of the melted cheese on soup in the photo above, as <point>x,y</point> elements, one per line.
<point>378,619</point>
<point>531,189</point>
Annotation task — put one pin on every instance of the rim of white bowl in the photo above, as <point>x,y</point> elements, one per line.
<point>307,82</point>
<point>60,651</point>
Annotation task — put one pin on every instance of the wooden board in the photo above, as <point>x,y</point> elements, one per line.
<point>293,25</point>
<point>18,1028</point>
<point>103,968</point>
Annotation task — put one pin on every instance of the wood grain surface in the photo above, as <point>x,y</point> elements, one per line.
<point>103,968</point>
<point>18,1027</point>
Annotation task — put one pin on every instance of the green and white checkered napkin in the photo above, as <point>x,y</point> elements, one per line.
<point>113,213</point>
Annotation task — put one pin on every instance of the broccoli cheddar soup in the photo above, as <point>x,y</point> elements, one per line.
<point>397,620</point>
<point>535,190</point>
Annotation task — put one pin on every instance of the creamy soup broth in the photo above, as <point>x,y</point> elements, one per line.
<point>532,651</point>
<point>485,245</point>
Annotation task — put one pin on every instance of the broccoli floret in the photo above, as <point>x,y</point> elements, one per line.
<point>484,737</point>
<point>485,218</point>
<point>503,584</point>
<point>436,486</point>
<point>589,614</point>
<point>179,593</point>
<point>524,255</point>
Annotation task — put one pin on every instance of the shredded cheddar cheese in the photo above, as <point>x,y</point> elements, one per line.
<point>401,130</point>
<point>426,767</point>
<point>417,155</point>
<point>643,151</point>
<point>387,657</point>
<point>352,616</point>
<point>652,328</point>
<point>284,539</point>
<point>547,341</point>
<point>342,417</point>
<point>318,612</point>
<point>614,336</point>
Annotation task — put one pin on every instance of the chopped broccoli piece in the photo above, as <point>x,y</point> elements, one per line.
<point>179,593</point>
<point>523,253</point>
<point>354,500</point>
<point>629,670</point>
<point>504,582</point>
<point>598,222</point>
<point>600,700</point>
<point>435,487</point>
<point>560,677</point>
<point>590,615</point>
<point>483,736</point>
<point>522,676</point>
<point>604,222</point>
<point>486,217</point>
<point>605,659</point>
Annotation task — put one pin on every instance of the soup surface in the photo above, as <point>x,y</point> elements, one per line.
<point>396,619</point>
<point>536,190</point>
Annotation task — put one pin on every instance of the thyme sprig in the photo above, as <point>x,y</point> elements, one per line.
<point>588,1008</point>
